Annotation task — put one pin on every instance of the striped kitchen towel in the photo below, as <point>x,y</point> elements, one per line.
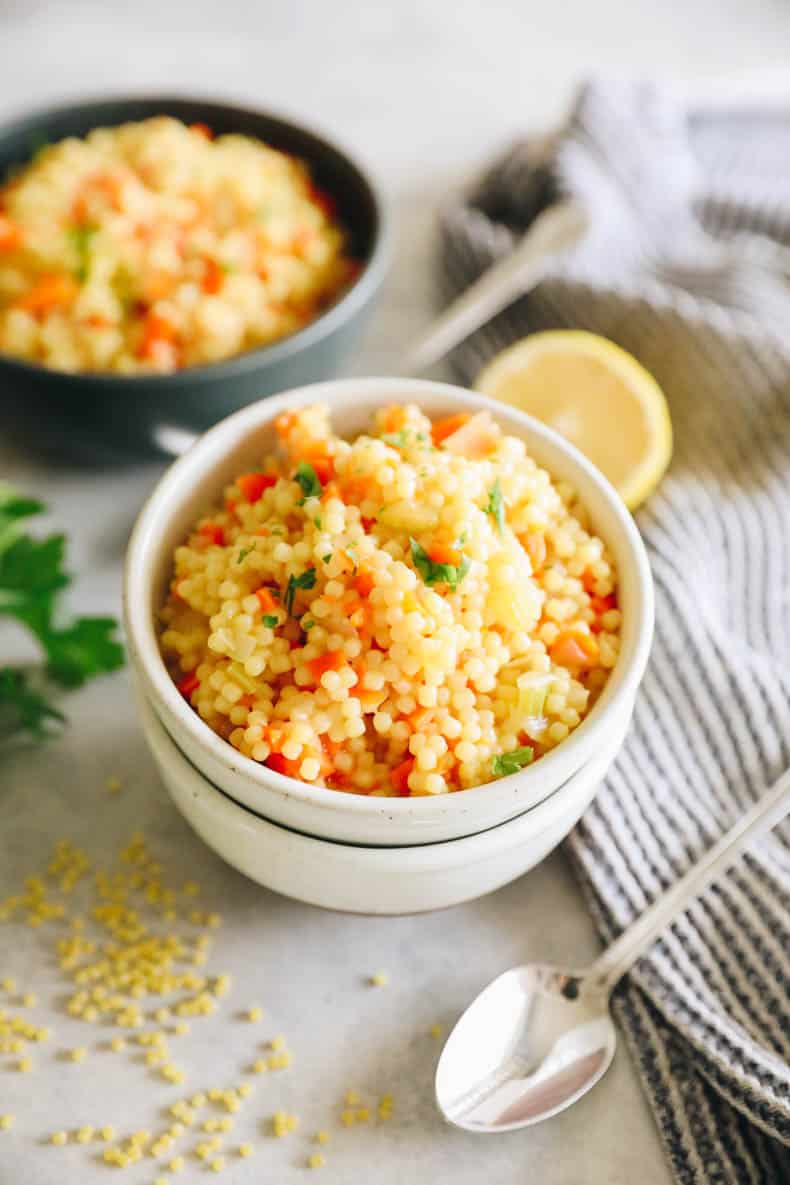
<point>687,265</point>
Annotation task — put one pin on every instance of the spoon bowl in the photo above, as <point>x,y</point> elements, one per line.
<point>539,1037</point>
<point>533,1042</point>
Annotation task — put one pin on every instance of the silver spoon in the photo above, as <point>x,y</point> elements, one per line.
<point>539,1037</point>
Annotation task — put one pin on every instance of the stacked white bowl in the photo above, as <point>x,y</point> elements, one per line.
<point>346,851</point>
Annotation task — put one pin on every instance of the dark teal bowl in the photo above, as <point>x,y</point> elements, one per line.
<point>95,415</point>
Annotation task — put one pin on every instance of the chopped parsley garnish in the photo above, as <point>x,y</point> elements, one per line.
<point>510,763</point>
<point>496,505</point>
<point>317,522</point>
<point>308,480</point>
<point>245,551</point>
<point>271,621</point>
<point>306,580</point>
<point>326,558</point>
<point>396,439</point>
<point>81,239</point>
<point>307,625</point>
<point>432,573</point>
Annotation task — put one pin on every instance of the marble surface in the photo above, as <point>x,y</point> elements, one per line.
<point>425,92</point>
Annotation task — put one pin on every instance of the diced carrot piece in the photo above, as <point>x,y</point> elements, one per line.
<point>575,649</point>
<point>97,321</point>
<point>188,684</point>
<point>332,660</point>
<point>442,553</point>
<point>284,423</point>
<point>53,290</point>
<point>393,418</point>
<point>10,234</point>
<point>475,439</point>
<point>364,583</point>
<point>112,185</point>
<point>589,581</point>
<point>158,286</point>
<point>440,429</point>
<point>213,277</point>
<point>156,331</point>
<point>267,600</point>
<point>367,524</point>
<point>214,532</point>
<point>252,485</point>
<point>535,546</point>
<point>323,465</point>
<point>601,605</point>
<point>371,700</point>
<point>202,129</point>
<point>330,490</point>
<point>399,776</point>
<point>283,765</point>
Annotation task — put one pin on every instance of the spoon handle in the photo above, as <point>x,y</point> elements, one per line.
<point>554,231</point>
<point>633,942</point>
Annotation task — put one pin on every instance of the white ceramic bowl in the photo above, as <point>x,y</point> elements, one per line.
<point>196,480</point>
<point>373,880</point>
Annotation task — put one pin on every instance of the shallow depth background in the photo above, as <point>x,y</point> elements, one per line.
<point>425,91</point>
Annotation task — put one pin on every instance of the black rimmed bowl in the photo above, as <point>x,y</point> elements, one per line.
<point>100,415</point>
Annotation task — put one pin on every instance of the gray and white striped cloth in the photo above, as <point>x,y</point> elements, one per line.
<point>687,266</point>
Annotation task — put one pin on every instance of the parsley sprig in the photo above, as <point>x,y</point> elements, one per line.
<point>510,763</point>
<point>32,575</point>
<point>496,506</point>
<point>433,573</point>
<point>308,480</point>
<point>306,581</point>
<point>81,239</point>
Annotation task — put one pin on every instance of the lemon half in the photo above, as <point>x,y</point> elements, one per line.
<point>597,396</point>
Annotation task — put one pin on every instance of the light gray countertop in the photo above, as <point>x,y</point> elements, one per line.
<point>425,92</point>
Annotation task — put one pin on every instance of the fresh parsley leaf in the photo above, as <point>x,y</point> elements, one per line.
<point>271,621</point>
<point>83,649</point>
<point>308,480</point>
<point>396,439</point>
<point>22,709</point>
<point>510,763</point>
<point>245,551</point>
<point>462,538</point>
<point>317,522</point>
<point>496,505</point>
<point>307,625</point>
<point>306,581</point>
<point>32,574</point>
<point>433,573</point>
<point>326,558</point>
<point>81,240</point>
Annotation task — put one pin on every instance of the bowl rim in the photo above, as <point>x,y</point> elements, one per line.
<point>209,449</point>
<point>355,297</point>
